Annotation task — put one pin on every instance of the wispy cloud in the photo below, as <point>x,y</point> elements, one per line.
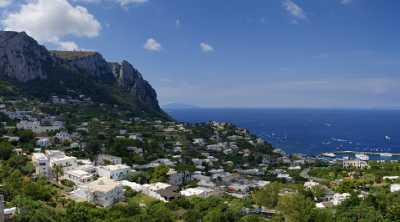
<point>152,45</point>
<point>345,2</point>
<point>125,3</point>
<point>5,3</point>
<point>178,23</point>
<point>294,10</point>
<point>206,48</point>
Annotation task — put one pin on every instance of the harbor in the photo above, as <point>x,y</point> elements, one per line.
<point>377,156</point>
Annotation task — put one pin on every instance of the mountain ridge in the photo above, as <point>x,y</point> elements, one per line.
<point>42,73</point>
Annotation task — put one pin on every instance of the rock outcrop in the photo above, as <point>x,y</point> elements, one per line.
<point>91,63</point>
<point>22,58</point>
<point>130,79</point>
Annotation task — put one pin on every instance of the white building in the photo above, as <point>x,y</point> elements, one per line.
<point>338,198</point>
<point>63,137</point>
<point>355,163</point>
<point>41,164</point>
<point>136,137</point>
<point>114,172</point>
<point>103,192</point>
<point>238,188</point>
<point>160,191</point>
<point>199,141</point>
<point>284,176</point>
<point>390,177</point>
<point>78,176</point>
<point>105,159</point>
<point>36,127</point>
<point>43,142</point>
<point>198,192</point>
<point>394,188</point>
<point>310,184</point>
<point>59,158</point>
<point>134,186</point>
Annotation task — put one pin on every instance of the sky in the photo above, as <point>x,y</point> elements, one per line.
<point>234,53</point>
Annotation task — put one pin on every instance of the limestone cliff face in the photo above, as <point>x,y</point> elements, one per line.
<point>91,63</point>
<point>130,79</point>
<point>22,58</point>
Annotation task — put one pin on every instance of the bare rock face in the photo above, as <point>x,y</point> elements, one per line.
<point>22,58</point>
<point>131,80</point>
<point>91,63</point>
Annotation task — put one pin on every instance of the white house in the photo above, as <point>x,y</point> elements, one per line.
<point>103,192</point>
<point>43,142</point>
<point>355,163</point>
<point>36,126</point>
<point>114,172</point>
<point>78,176</point>
<point>390,177</point>
<point>59,158</point>
<point>136,137</point>
<point>63,137</point>
<point>134,186</point>
<point>105,159</point>
<point>199,141</point>
<point>394,188</point>
<point>160,191</point>
<point>41,164</point>
<point>338,198</point>
<point>284,176</point>
<point>197,191</point>
<point>310,184</point>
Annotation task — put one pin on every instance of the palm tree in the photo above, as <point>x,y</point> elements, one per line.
<point>58,171</point>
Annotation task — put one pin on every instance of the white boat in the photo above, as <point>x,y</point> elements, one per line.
<point>386,154</point>
<point>362,156</point>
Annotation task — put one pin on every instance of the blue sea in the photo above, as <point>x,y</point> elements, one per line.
<point>310,131</point>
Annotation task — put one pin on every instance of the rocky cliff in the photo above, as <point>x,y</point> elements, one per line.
<point>130,79</point>
<point>23,60</point>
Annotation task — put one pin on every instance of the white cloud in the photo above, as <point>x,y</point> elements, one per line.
<point>68,46</point>
<point>5,3</point>
<point>152,45</point>
<point>122,3</point>
<point>49,21</point>
<point>345,2</point>
<point>88,1</point>
<point>294,10</point>
<point>125,3</point>
<point>205,47</point>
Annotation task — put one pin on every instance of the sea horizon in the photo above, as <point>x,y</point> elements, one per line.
<point>309,130</point>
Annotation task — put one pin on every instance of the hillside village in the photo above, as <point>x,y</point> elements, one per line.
<point>100,154</point>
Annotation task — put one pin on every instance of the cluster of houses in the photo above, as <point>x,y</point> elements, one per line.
<point>94,183</point>
<point>37,123</point>
<point>70,100</point>
<point>104,180</point>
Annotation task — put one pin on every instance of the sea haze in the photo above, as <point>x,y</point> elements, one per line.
<point>310,131</point>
